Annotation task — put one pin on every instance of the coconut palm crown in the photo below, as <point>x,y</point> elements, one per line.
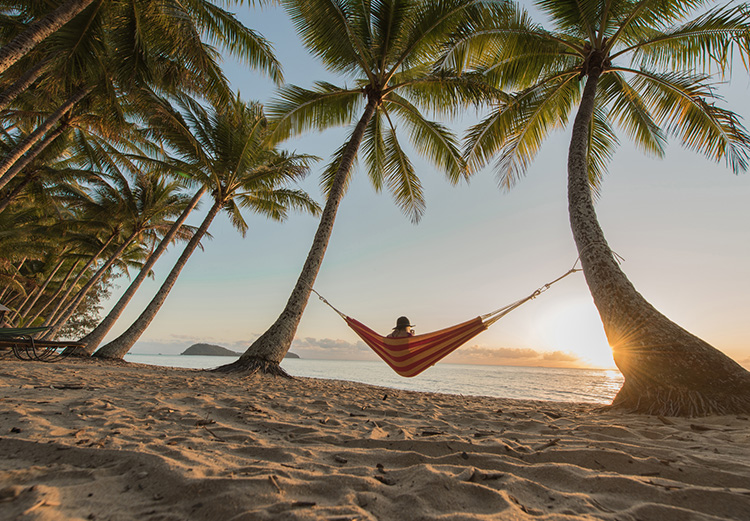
<point>639,67</point>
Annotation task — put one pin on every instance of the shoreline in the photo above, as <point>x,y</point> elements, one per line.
<point>87,439</point>
<point>517,382</point>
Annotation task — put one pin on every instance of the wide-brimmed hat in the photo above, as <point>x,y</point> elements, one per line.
<point>402,322</point>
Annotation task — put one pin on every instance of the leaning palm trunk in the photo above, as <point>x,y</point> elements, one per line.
<point>38,31</point>
<point>17,190</point>
<point>21,84</point>
<point>30,140</point>
<point>93,339</point>
<point>26,305</point>
<point>52,317</point>
<point>24,161</point>
<point>56,294</point>
<point>267,352</point>
<point>667,370</point>
<point>120,346</point>
<point>71,308</point>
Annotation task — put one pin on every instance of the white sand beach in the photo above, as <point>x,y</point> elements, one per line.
<point>86,440</point>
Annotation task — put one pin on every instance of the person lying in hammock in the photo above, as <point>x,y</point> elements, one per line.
<point>403,328</point>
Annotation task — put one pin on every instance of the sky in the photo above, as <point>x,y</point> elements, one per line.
<point>680,224</point>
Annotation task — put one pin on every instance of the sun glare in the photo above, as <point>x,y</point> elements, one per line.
<point>574,327</point>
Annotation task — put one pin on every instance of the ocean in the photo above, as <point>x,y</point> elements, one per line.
<point>523,383</point>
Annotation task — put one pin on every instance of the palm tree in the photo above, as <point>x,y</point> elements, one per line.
<point>388,48</point>
<point>38,30</point>
<point>147,208</point>
<point>217,24</point>
<point>119,47</point>
<point>636,65</point>
<point>228,152</point>
<point>93,339</point>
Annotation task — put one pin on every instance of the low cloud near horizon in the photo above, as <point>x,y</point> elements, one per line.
<point>327,348</point>
<point>337,349</point>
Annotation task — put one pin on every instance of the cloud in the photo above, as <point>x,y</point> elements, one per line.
<point>560,356</point>
<point>328,348</point>
<point>513,356</point>
<point>323,348</point>
<point>337,349</point>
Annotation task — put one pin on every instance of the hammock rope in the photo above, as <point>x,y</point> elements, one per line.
<point>409,356</point>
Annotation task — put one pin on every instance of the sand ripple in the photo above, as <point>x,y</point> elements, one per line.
<point>94,441</point>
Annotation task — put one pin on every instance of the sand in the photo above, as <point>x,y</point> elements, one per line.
<point>96,441</point>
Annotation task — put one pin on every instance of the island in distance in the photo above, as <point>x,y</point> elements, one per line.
<point>213,350</point>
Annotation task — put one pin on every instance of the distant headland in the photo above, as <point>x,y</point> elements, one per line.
<point>214,350</point>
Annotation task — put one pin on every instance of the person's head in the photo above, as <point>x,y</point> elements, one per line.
<point>403,324</point>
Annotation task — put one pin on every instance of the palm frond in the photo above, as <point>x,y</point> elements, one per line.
<point>602,144</point>
<point>630,111</point>
<point>517,129</point>
<point>373,149</point>
<point>681,103</point>
<point>705,41</point>
<point>224,29</point>
<point>296,110</point>
<point>401,179</point>
<point>337,31</point>
<point>431,139</point>
<point>444,92</point>
<point>329,172</point>
<point>578,17</point>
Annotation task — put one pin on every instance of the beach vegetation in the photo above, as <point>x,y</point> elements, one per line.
<point>227,152</point>
<point>75,99</point>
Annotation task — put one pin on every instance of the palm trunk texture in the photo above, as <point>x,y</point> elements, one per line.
<point>38,31</point>
<point>8,197</point>
<point>52,317</point>
<point>19,150</point>
<point>93,339</point>
<point>26,306</point>
<point>73,306</point>
<point>267,352</point>
<point>22,163</point>
<point>668,371</point>
<point>120,346</point>
<point>24,82</point>
<point>56,294</point>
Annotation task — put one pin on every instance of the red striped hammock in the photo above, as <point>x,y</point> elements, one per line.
<point>409,356</point>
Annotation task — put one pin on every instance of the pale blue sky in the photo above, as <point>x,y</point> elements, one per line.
<point>680,223</point>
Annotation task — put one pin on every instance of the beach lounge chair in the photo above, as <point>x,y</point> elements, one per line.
<point>21,342</point>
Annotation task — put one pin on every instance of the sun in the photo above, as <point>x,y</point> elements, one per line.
<point>574,326</point>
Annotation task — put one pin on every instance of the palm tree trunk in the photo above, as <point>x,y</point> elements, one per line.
<point>57,293</point>
<point>120,346</point>
<point>52,317</point>
<point>267,352</point>
<point>667,370</point>
<point>30,140</point>
<point>38,31</point>
<point>6,199</point>
<point>26,306</point>
<point>73,306</point>
<point>93,339</point>
<point>21,84</point>
<point>24,161</point>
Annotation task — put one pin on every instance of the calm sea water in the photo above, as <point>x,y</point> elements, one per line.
<point>524,383</point>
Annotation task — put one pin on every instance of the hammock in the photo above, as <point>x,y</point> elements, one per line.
<point>409,356</point>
